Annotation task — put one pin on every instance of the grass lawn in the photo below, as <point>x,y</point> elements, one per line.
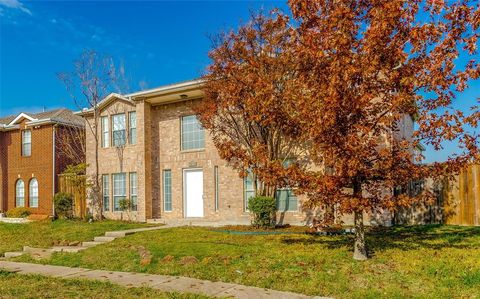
<point>419,261</point>
<point>36,286</point>
<point>44,233</point>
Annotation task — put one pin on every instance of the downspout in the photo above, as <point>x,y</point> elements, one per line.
<point>53,172</point>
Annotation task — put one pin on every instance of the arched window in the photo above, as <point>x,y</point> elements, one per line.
<point>20,194</point>
<point>33,194</point>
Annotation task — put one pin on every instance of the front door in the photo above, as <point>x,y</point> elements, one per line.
<point>193,190</point>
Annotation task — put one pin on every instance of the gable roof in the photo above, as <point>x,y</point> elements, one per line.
<point>58,116</point>
<point>105,102</point>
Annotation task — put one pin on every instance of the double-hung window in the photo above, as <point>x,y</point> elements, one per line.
<point>106,192</point>
<point>286,200</point>
<point>33,193</point>
<point>248,189</point>
<point>20,194</point>
<point>167,190</point>
<point>133,190</point>
<point>119,189</point>
<point>119,129</point>
<point>193,135</point>
<point>132,127</point>
<point>26,143</point>
<point>105,131</point>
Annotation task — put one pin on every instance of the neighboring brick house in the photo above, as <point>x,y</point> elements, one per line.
<point>154,151</point>
<point>29,161</point>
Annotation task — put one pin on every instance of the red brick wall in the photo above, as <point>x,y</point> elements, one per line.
<point>38,165</point>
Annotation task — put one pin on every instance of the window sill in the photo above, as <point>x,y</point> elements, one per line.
<point>192,150</point>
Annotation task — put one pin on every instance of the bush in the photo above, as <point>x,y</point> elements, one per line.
<point>263,209</point>
<point>125,204</point>
<point>63,205</point>
<point>20,212</point>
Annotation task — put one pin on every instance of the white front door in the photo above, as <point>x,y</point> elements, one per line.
<point>193,190</point>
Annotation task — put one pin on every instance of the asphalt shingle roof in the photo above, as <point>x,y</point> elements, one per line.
<point>62,115</point>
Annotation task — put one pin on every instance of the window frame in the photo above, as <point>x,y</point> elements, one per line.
<point>33,191</point>
<point>216,179</point>
<point>132,137</point>
<point>17,197</point>
<point>124,136</point>
<point>118,197</point>
<point>248,191</point>
<point>167,208</point>
<point>133,180</point>
<point>183,133</point>
<point>23,148</point>
<point>106,195</point>
<point>105,128</point>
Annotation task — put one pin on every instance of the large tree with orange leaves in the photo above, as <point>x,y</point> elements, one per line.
<point>357,70</point>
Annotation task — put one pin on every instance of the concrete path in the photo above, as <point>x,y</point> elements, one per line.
<point>160,282</point>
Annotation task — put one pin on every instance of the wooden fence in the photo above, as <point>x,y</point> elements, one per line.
<point>461,198</point>
<point>75,185</point>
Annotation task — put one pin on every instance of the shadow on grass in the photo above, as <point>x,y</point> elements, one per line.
<point>435,237</point>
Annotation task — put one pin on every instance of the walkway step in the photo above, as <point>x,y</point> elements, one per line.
<point>104,239</point>
<point>91,243</point>
<point>117,234</point>
<point>160,282</point>
<point>13,254</point>
<point>70,249</point>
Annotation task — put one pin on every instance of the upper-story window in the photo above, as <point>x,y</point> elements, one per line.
<point>193,135</point>
<point>119,129</point>
<point>26,143</point>
<point>132,127</point>
<point>20,194</point>
<point>105,131</point>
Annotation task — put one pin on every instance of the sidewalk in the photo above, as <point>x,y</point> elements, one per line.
<point>160,282</point>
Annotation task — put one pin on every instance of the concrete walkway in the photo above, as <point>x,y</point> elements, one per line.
<point>160,282</point>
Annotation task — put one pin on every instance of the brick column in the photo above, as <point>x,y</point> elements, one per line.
<point>144,165</point>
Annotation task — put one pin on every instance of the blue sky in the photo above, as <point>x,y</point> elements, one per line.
<point>159,43</point>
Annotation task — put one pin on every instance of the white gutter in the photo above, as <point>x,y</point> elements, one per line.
<point>50,121</point>
<point>165,88</point>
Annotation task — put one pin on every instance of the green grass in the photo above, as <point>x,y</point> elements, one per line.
<point>418,262</point>
<point>36,286</point>
<point>45,233</point>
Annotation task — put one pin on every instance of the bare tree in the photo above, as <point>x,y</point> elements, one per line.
<point>72,144</point>
<point>93,78</point>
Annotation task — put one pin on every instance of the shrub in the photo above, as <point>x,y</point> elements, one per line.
<point>263,209</point>
<point>125,204</point>
<point>20,212</point>
<point>63,205</point>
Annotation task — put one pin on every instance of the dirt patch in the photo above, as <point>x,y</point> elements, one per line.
<point>145,256</point>
<point>188,260</point>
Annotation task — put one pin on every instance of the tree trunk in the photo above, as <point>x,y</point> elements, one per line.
<point>360,250</point>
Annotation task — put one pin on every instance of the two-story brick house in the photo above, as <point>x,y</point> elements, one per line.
<point>154,151</point>
<point>29,159</point>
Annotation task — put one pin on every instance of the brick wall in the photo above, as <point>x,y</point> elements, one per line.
<point>39,165</point>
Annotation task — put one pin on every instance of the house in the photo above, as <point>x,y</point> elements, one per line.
<point>154,151</point>
<point>30,160</point>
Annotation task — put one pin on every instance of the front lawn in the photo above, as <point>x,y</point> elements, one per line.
<point>421,261</point>
<point>45,233</point>
<point>36,286</point>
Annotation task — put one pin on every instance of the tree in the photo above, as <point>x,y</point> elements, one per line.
<point>93,78</point>
<point>357,71</point>
<point>71,144</point>
<point>246,83</point>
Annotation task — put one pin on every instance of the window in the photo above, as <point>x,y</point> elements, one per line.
<point>193,136</point>
<point>132,117</point>
<point>215,177</point>
<point>167,190</point>
<point>105,132</point>
<point>286,200</point>
<point>26,143</point>
<point>248,189</point>
<point>106,192</point>
<point>133,190</point>
<point>33,193</point>
<point>119,189</point>
<point>119,130</point>
<point>19,194</point>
